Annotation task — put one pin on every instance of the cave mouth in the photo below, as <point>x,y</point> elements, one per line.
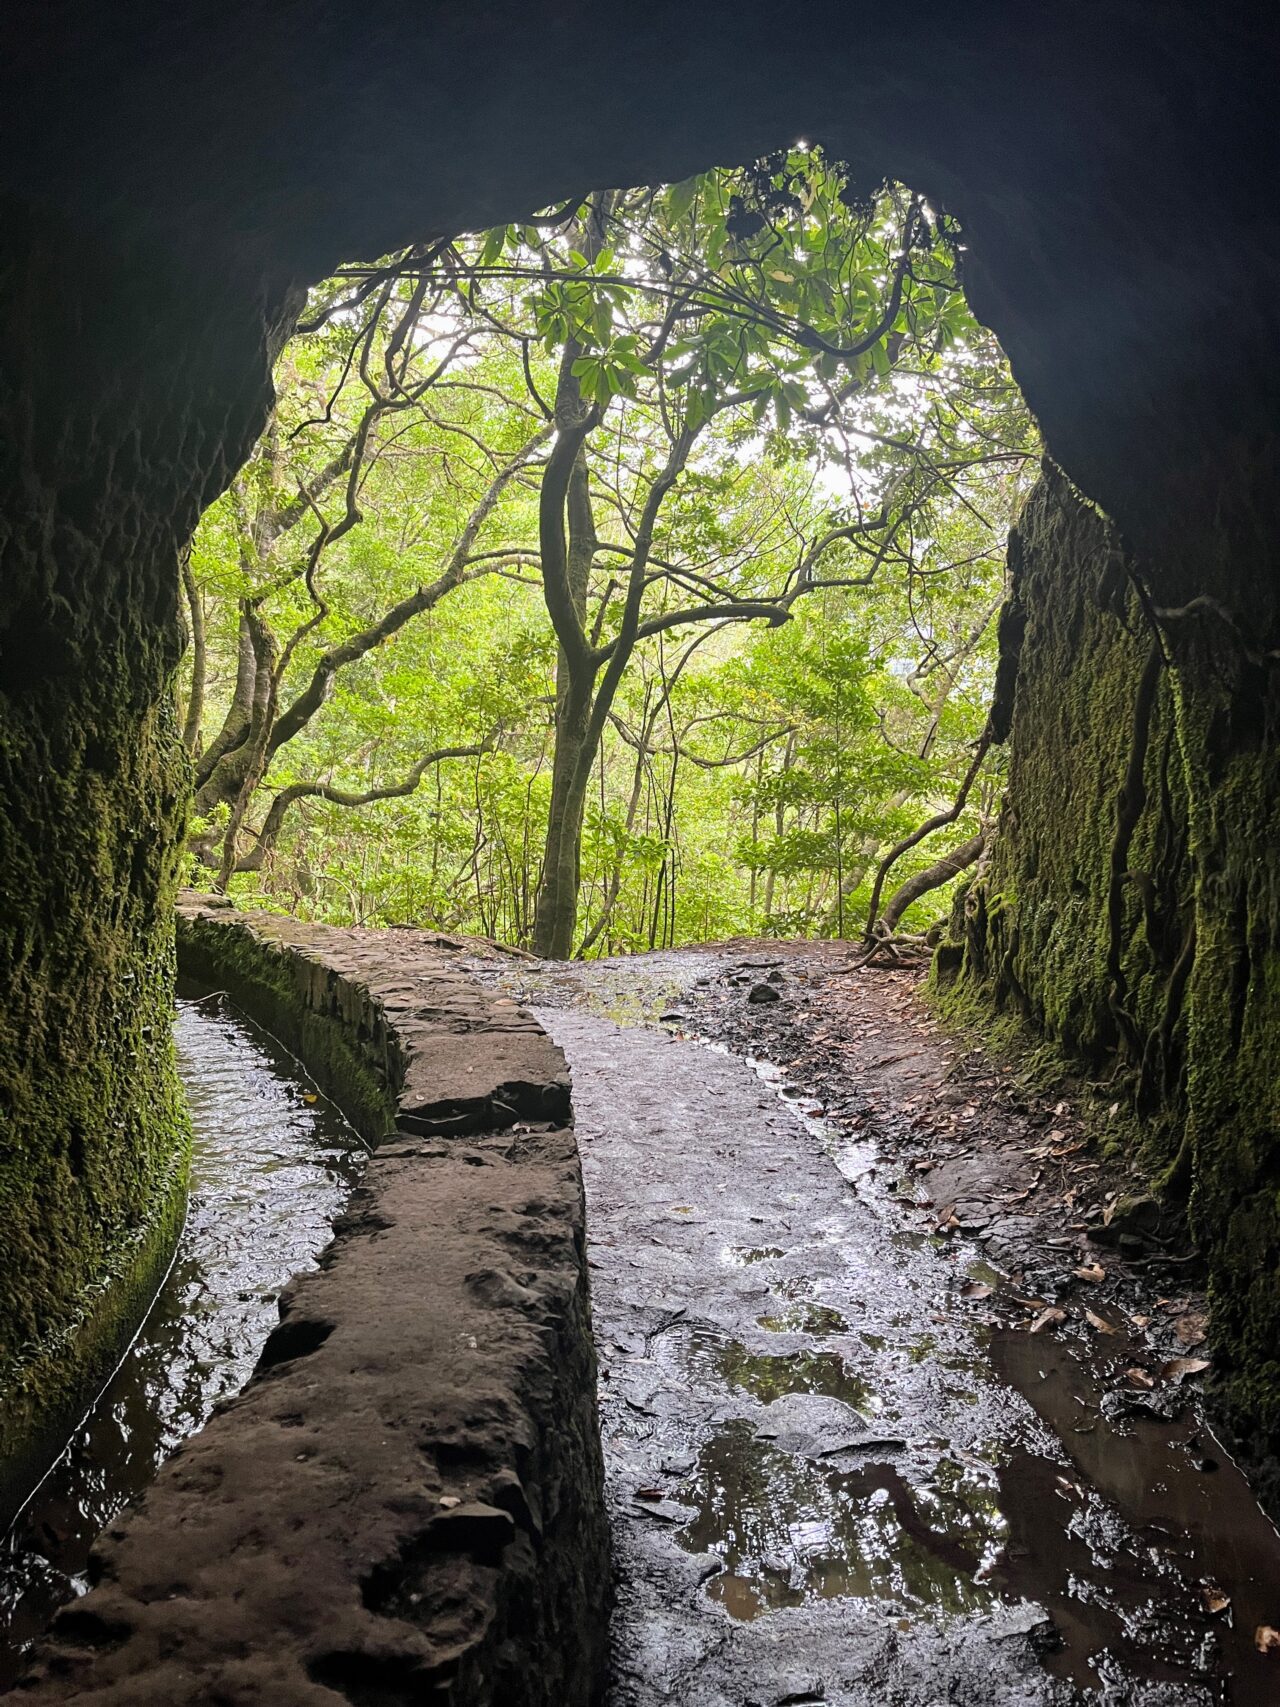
<point>166,218</point>
<point>646,555</point>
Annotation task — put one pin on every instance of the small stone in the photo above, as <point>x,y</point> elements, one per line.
<point>763,993</point>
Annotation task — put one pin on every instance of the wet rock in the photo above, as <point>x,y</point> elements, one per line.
<point>662,1511</point>
<point>1127,1219</point>
<point>764,993</point>
<point>811,1425</point>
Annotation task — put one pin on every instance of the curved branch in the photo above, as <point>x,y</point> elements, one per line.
<point>937,822</point>
<point>288,797</point>
<point>741,610</point>
<point>932,877</point>
<point>303,708</point>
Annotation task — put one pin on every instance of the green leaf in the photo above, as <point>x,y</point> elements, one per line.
<point>680,197</point>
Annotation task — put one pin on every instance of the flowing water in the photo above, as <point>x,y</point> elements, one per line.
<point>273,1163</point>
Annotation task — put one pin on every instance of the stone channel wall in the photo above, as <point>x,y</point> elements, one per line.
<point>405,1503</point>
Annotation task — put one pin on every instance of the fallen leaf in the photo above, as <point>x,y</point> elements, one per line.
<point>1141,1321</point>
<point>310,1096</point>
<point>976,1289</point>
<point>1093,1271</point>
<point>1191,1330</point>
<point>1214,1598</point>
<point>1139,1377</point>
<point>1266,1639</point>
<point>1178,1368</point>
<point>1099,1323</point>
<point>650,1494</point>
<point>1048,1319</point>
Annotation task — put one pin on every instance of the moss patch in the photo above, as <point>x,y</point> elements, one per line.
<point>93,1166</point>
<point>1129,915</point>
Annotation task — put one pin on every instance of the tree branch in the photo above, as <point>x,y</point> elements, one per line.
<point>288,797</point>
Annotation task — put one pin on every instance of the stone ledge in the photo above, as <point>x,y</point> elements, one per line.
<point>405,1504</point>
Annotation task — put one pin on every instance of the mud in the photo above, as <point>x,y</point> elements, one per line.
<point>842,1467</point>
<point>273,1163</point>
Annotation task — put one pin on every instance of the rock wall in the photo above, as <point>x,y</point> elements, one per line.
<point>104,465</point>
<point>1130,910</point>
<point>406,1503</point>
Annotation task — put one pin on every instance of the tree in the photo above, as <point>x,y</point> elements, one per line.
<point>758,308</point>
<point>284,491</point>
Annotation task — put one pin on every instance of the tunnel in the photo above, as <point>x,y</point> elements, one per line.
<point>175,177</point>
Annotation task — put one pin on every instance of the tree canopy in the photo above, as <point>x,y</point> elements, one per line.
<point>623,578</point>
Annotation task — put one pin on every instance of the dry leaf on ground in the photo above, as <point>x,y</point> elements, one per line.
<point>1050,1318</point>
<point>1178,1368</point>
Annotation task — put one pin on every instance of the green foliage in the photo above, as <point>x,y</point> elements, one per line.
<point>851,450</point>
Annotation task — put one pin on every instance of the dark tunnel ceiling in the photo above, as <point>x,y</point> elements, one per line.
<point>1100,155</point>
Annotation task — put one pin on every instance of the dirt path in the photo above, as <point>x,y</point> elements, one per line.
<point>853,1458</point>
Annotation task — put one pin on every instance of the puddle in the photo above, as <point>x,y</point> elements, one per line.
<point>739,1256</point>
<point>1122,1545</point>
<point>803,1318</point>
<point>789,1530</point>
<point>702,1354</point>
<point>973,1490</point>
<point>272,1165</point>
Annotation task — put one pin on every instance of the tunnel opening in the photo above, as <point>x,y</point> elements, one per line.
<point>703,684</point>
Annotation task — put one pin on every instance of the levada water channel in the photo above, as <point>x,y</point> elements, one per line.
<point>273,1164</point>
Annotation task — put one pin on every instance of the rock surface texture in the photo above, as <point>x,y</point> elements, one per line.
<point>405,1504</point>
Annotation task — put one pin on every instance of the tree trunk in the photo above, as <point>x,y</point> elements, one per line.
<point>195,699</point>
<point>556,911</point>
<point>932,877</point>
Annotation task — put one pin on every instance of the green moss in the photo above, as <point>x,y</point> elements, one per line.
<point>57,1381</point>
<point>93,1165</point>
<point>1129,918</point>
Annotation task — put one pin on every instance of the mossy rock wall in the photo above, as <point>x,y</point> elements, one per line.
<point>1130,908</point>
<point>106,459</point>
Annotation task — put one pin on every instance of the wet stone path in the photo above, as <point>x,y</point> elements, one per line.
<point>841,1468</point>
